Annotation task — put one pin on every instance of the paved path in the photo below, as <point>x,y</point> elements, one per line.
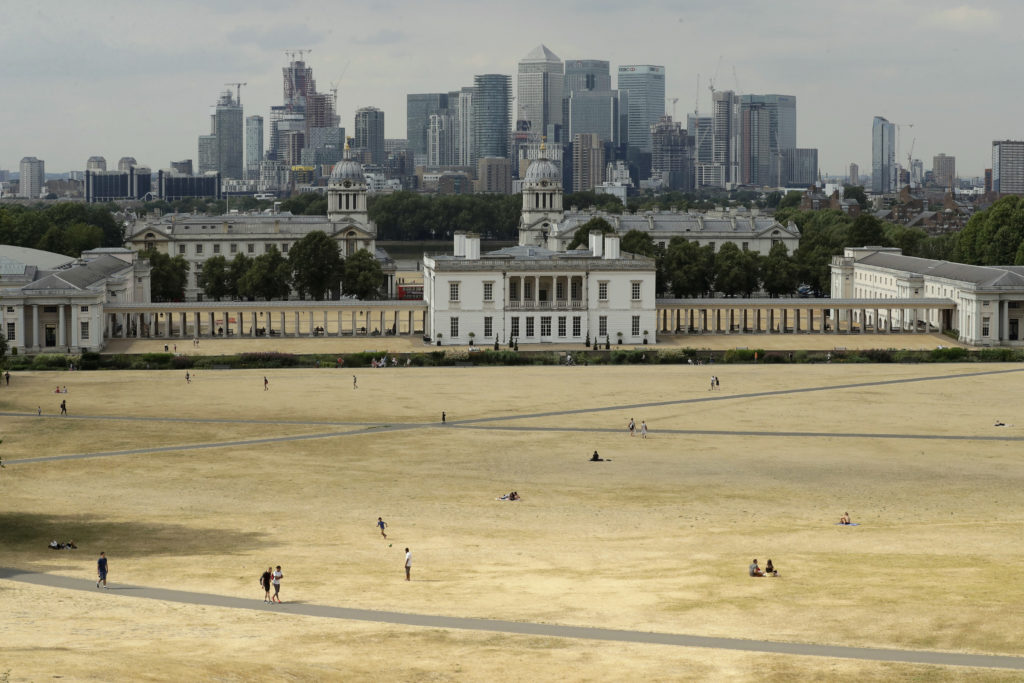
<point>522,627</point>
<point>486,422</point>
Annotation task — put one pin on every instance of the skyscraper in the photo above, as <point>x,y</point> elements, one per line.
<point>492,96</point>
<point>369,133</point>
<point>854,175</point>
<point>207,153</point>
<point>944,170</point>
<point>584,75</point>
<point>253,146</point>
<point>465,143</point>
<point>670,154</point>
<point>883,156</point>
<point>32,178</point>
<point>646,87</point>
<point>726,136</point>
<point>441,139</point>
<point>755,150</point>
<point>781,135</point>
<point>418,108</point>
<point>539,92</point>
<point>1007,166</point>
<point>230,133</point>
<point>587,162</point>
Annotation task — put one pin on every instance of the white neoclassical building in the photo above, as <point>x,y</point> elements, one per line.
<point>988,301</point>
<point>51,302</point>
<point>199,237</point>
<point>535,292</point>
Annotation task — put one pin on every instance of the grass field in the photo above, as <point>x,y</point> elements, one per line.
<point>657,539</point>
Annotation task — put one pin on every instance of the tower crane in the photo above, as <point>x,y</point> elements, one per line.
<point>673,100</point>
<point>899,126</point>
<point>238,91</point>
<point>335,84</point>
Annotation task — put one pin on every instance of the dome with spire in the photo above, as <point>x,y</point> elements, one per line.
<point>543,169</point>
<point>347,169</point>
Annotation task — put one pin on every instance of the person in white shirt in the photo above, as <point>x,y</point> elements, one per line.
<point>408,564</point>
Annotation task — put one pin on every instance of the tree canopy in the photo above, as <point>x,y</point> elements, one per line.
<point>64,227</point>
<point>168,276</point>
<point>363,276</point>
<point>581,238</point>
<point>213,278</point>
<point>316,265</point>
<point>268,277</point>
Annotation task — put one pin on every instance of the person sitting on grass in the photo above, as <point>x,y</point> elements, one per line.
<point>754,569</point>
<point>845,519</point>
<point>769,569</point>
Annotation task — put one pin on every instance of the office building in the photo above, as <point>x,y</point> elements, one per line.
<point>369,133</point>
<point>883,156</point>
<point>96,163</point>
<point>464,146</point>
<point>494,175</point>
<point>184,167</point>
<point>134,182</point>
<point>207,154</point>
<point>442,135</point>
<point>32,178</point>
<point>124,164</point>
<point>418,109</point>
<point>491,112</point>
<point>645,85</point>
<point>726,137</point>
<point>230,136</point>
<point>172,186</point>
<point>854,175</point>
<point>944,170</point>
<point>597,112</point>
<point>780,111</point>
<point>586,75</point>
<point>253,146</point>
<point>1008,166</point>
<point>800,166</point>
<point>670,155</point>
<point>541,80</point>
<point>755,149</point>
<point>587,162</point>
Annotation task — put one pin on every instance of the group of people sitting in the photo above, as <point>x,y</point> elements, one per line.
<point>383,362</point>
<point>70,545</point>
<point>60,390</point>
<point>513,495</point>
<point>769,569</point>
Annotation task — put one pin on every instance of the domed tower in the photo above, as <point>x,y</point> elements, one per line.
<point>346,207</point>
<point>542,202</point>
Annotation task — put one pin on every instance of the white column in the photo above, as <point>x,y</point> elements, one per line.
<point>62,334</point>
<point>75,341</point>
<point>19,332</point>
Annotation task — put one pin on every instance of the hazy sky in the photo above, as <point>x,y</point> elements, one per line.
<point>113,78</point>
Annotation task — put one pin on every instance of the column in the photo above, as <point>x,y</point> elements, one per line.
<point>19,334</point>
<point>75,328</point>
<point>310,323</point>
<point>297,328</point>
<point>62,338</point>
<point>1004,321</point>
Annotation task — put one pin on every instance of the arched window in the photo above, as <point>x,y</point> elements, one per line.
<point>350,243</point>
<point>150,241</point>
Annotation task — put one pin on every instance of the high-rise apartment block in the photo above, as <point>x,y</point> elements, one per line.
<point>465,116</point>
<point>418,110</point>
<point>230,134</point>
<point>32,178</point>
<point>253,146</point>
<point>758,166</point>
<point>883,156</point>
<point>207,154</point>
<point>854,175</point>
<point>645,84</point>
<point>541,80</point>
<point>726,135</point>
<point>587,162</point>
<point>670,154</point>
<point>1007,166</point>
<point>492,99</point>
<point>944,170</point>
<point>442,135</point>
<point>494,175</point>
<point>369,133</point>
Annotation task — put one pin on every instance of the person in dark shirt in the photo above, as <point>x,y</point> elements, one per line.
<point>101,570</point>
<point>265,582</point>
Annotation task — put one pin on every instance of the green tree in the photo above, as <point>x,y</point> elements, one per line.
<point>791,200</point>
<point>236,270</point>
<point>689,267</point>
<point>856,192</point>
<point>908,239</point>
<point>168,276</point>
<point>363,276</point>
<point>866,231</point>
<point>316,265</point>
<point>213,277</point>
<point>736,271</point>
<point>993,236</point>
<point>581,238</point>
<point>269,277</point>
<point>778,272</point>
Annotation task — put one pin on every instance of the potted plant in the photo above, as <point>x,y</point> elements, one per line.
<point>439,335</point>
<point>587,342</point>
<point>619,337</point>
<point>472,335</point>
<point>607,342</point>
<point>645,336</point>
<point>496,347</point>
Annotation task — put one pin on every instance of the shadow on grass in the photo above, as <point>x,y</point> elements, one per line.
<point>30,532</point>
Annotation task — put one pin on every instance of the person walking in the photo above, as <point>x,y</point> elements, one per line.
<point>266,383</point>
<point>632,426</point>
<point>408,564</point>
<point>265,579</point>
<point>354,385</point>
<point>188,378</point>
<point>383,525</point>
<point>277,584</point>
<point>643,429</point>
<point>444,416</point>
<point>7,377</point>
<point>64,407</point>
<point>101,570</point>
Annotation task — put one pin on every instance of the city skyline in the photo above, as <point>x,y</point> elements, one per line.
<point>117,83</point>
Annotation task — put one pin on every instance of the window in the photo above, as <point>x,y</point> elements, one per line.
<point>575,287</point>
<point>636,325</point>
<point>453,291</point>
<point>561,326</point>
<point>10,309</point>
<point>453,328</point>
<point>602,326</point>
<point>251,248</point>
<point>528,289</point>
<point>284,248</point>
<point>216,249</point>
<point>488,291</point>
<point>545,326</point>
<point>576,326</point>
<point>234,248</point>
<point>635,290</point>
<point>181,248</point>
<point>746,246</point>
<point>984,327</point>
<point>11,329</point>
<point>529,326</point>
<point>515,326</point>
<point>712,245</point>
<point>199,249</point>
<point>84,309</point>
<point>774,242</point>
<point>85,330</point>
<point>488,326</point>
<point>49,309</point>
<point>559,290</point>
<point>602,291</point>
<point>513,290</point>
<point>267,247</point>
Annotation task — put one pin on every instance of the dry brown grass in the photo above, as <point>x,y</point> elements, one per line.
<point>657,539</point>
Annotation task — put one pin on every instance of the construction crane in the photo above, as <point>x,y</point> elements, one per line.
<point>300,52</point>
<point>900,126</point>
<point>673,100</point>
<point>910,161</point>
<point>335,84</point>
<point>696,99</point>
<point>238,90</point>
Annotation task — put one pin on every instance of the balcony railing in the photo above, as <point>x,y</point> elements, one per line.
<point>557,305</point>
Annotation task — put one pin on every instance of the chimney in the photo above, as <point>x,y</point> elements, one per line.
<point>611,246</point>
<point>472,247</point>
<point>460,243</point>
<point>596,243</point>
